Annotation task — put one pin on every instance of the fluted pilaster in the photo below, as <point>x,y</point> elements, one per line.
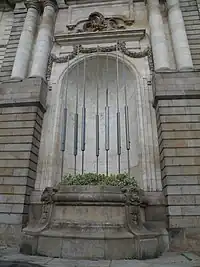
<point>179,37</point>
<point>158,39</point>
<point>44,40</point>
<point>25,46</point>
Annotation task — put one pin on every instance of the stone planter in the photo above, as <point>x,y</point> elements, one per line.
<point>90,222</point>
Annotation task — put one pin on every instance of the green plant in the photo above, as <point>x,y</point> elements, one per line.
<point>121,180</point>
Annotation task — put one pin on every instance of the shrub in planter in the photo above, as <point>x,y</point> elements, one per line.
<point>121,180</point>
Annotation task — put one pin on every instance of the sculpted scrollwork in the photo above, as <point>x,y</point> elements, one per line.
<point>47,195</point>
<point>47,207</point>
<point>134,199</point>
<point>96,22</point>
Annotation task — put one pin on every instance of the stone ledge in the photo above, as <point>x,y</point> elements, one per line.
<point>29,92</point>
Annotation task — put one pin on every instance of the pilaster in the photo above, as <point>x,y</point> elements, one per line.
<point>179,37</point>
<point>158,39</point>
<point>177,103</point>
<point>24,50</point>
<point>22,105</point>
<point>44,40</point>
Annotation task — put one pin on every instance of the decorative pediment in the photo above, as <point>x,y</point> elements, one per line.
<point>96,22</point>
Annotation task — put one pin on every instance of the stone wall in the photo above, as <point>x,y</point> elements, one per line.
<point>11,34</point>
<point>21,114</point>
<point>6,21</point>
<point>191,14</point>
<point>177,103</point>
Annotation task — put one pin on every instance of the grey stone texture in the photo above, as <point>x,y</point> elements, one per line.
<point>22,106</point>
<point>19,14</point>
<point>91,222</point>
<point>191,14</point>
<point>169,259</point>
<point>177,104</point>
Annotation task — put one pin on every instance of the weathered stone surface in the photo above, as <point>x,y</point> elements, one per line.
<point>20,127</point>
<point>178,128</point>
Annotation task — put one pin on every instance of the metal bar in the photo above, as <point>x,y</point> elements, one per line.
<point>97,143</point>
<point>127,127</point>
<point>107,123</point>
<point>126,112</point>
<point>97,114</point>
<point>83,118</point>
<point>83,136</point>
<point>76,118</point>
<point>64,126</point>
<point>97,135</point>
<point>107,163</point>
<point>118,140</point>
<point>75,134</point>
<point>63,133</point>
<point>107,143</point>
<point>75,139</point>
<point>83,129</point>
<point>118,117</point>
<point>117,79</point>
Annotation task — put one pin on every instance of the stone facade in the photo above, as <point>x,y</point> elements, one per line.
<point>151,48</point>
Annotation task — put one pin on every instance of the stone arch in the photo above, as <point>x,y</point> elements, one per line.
<point>141,169</point>
<point>90,158</point>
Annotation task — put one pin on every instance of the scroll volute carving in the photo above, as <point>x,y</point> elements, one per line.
<point>96,22</point>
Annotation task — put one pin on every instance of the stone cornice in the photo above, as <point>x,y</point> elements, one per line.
<point>84,38</point>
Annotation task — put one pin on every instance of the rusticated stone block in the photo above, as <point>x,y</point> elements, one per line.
<point>177,103</point>
<point>22,105</point>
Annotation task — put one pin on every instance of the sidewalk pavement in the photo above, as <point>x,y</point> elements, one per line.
<point>12,258</point>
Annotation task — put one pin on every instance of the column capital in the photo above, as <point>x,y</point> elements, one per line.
<point>52,3</point>
<point>34,4</point>
<point>172,3</point>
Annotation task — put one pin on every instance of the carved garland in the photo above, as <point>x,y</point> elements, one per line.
<point>120,46</point>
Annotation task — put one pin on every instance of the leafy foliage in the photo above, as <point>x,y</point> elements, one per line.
<point>121,180</point>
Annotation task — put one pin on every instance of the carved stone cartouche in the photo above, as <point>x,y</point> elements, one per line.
<point>96,22</point>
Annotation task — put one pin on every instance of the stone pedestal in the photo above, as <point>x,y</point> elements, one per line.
<point>90,222</point>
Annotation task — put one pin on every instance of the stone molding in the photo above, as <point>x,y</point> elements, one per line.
<point>120,46</point>
<point>51,3</point>
<point>34,4</point>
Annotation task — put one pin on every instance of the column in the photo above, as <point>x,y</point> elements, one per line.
<point>158,39</point>
<point>179,37</point>
<point>25,46</point>
<point>44,41</point>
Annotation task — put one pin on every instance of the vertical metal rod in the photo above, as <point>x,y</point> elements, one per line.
<point>126,112</point>
<point>63,140</point>
<point>118,117</point>
<point>97,114</point>
<point>107,141</point>
<point>83,119</point>
<point>64,126</point>
<point>76,118</point>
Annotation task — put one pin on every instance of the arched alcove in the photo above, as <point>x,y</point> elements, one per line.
<point>97,73</point>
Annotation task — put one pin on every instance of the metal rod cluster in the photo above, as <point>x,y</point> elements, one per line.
<point>97,118</point>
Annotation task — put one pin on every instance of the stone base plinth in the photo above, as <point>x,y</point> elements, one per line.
<point>90,222</point>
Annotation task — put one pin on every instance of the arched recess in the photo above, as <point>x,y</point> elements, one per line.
<point>96,74</point>
<point>143,149</point>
